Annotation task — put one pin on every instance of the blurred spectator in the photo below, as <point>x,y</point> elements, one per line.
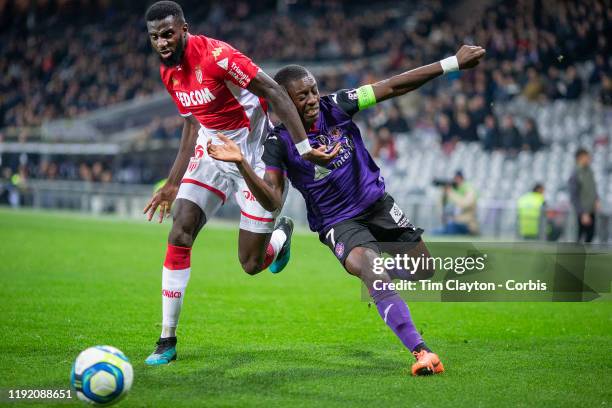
<point>553,83</point>
<point>96,171</point>
<point>465,131</point>
<point>572,85</point>
<point>477,109</point>
<point>605,94</point>
<point>395,123</point>
<point>489,134</point>
<point>601,68</point>
<point>534,87</point>
<point>9,193</point>
<point>583,193</point>
<point>85,172</point>
<point>384,145</point>
<point>447,137</point>
<point>531,136</point>
<point>510,138</point>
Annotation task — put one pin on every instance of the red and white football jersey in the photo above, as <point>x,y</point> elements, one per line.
<point>210,83</point>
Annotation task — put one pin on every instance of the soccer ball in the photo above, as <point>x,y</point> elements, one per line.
<point>101,375</point>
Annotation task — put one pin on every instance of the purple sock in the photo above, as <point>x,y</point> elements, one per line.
<point>396,314</point>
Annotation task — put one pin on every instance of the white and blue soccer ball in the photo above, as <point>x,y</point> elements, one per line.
<point>101,375</point>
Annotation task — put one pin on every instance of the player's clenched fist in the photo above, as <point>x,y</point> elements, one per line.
<point>469,56</point>
<point>163,198</point>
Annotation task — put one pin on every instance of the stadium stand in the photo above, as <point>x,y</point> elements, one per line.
<point>543,90</point>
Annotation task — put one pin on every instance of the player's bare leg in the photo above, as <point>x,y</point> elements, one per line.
<point>188,220</point>
<point>258,251</point>
<point>413,250</point>
<point>393,310</point>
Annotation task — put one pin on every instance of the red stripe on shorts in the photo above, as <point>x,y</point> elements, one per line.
<point>256,218</point>
<point>219,193</point>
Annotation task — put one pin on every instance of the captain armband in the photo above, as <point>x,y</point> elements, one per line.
<point>365,97</point>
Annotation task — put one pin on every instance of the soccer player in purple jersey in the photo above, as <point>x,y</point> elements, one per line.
<point>346,200</point>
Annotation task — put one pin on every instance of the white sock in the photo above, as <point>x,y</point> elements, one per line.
<point>174,283</point>
<point>277,240</point>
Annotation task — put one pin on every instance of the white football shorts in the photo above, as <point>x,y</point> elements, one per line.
<point>209,183</point>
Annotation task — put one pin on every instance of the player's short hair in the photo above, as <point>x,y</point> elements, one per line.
<point>163,9</point>
<point>581,151</point>
<point>537,187</point>
<point>290,73</point>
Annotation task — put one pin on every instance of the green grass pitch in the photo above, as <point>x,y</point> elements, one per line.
<point>301,338</point>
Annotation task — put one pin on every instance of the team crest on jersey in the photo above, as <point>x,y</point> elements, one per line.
<point>216,52</point>
<point>336,133</point>
<point>339,249</point>
<point>198,73</point>
<point>175,81</point>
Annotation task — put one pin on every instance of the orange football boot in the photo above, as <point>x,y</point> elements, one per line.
<point>428,363</point>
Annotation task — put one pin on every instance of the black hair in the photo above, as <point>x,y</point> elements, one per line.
<point>162,9</point>
<point>290,73</point>
<point>538,186</point>
<point>580,152</point>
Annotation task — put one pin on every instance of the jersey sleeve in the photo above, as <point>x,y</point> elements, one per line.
<point>274,153</point>
<point>233,65</point>
<point>346,99</point>
<point>352,101</point>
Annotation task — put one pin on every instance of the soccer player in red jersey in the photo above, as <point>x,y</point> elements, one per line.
<point>217,90</point>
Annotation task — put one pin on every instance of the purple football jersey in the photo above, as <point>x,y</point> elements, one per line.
<point>349,184</point>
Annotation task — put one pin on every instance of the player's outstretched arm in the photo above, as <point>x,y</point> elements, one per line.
<point>268,191</point>
<point>467,57</point>
<point>164,197</point>
<point>265,87</point>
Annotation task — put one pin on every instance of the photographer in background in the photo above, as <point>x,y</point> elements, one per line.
<point>459,201</point>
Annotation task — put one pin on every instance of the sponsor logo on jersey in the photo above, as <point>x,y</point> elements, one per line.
<point>223,63</point>
<point>398,216</point>
<point>195,98</point>
<point>198,73</point>
<point>240,77</point>
<point>173,294</point>
<point>248,195</point>
<point>216,52</point>
<point>336,135</point>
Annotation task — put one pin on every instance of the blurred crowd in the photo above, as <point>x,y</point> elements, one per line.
<point>534,49</point>
<point>63,58</point>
